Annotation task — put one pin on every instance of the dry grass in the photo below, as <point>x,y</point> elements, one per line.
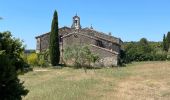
<point>137,81</point>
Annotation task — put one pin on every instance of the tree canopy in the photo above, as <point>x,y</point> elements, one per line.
<point>10,63</point>
<point>143,51</point>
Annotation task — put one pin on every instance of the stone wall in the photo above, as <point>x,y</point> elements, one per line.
<point>108,47</point>
<point>76,39</point>
<point>100,35</point>
<point>38,45</point>
<point>107,57</point>
<point>116,48</point>
<point>79,38</point>
<point>44,42</point>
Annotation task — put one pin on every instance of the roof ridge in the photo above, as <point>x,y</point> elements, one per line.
<point>94,37</point>
<point>100,32</point>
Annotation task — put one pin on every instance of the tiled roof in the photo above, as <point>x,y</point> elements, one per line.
<point>66,31</point>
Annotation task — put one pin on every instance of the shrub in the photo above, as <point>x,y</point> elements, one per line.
<point>14,48</point>
<point>143,51</point>
<point>168,55</point>
<point>81,56</point>
<point>33,59</point>
<point>43,59</point>
<point>42,63</point>
<point>10,86</point>
<point>11,63</point>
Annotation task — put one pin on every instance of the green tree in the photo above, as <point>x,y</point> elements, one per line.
<point>43,58</point>
<point>164,43</point>
<point>14,48</point>
<point>144,46</point>
<point>81,56</point>
<point>54,47</point>
<point>142,51</point>
<point>143,41</point>
<point>10,63</point>
<point>168,40</point>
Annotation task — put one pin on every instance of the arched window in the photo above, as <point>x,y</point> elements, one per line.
<point>76,22</point>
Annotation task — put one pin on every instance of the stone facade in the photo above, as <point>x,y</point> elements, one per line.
<point>106,46</point>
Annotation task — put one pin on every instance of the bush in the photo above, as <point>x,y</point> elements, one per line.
<point>14,48</point>
<point>42,63</point>
<point>10,86</point>
<point>43,59</point>
<point>11,63</point>
<point>32,59</point>
<point>80,55</point>
<point>142,51</point>
<point>37,59</point>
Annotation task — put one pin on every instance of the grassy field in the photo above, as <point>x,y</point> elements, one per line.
<point>137,81</point>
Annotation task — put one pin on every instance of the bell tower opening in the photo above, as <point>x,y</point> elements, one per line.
<point>76,22</point>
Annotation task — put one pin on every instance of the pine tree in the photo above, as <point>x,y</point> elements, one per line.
<point>54,47</point>
<point>164,44</point>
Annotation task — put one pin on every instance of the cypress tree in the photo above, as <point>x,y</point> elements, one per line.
<point>168,40</point>
<point>164,44</point>
<point>54,47</point>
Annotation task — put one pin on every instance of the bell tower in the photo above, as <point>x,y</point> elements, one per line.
<point>76,22</point>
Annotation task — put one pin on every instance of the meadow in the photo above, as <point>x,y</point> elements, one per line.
<point>136,81</point>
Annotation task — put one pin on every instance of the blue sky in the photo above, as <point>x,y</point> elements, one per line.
<point>129,20</point>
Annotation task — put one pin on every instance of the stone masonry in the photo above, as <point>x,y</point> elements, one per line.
<point>106,46</point>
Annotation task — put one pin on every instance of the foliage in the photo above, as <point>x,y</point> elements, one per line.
<point>14,48</point>
<point>164,43</point>
<point>37,59</point>
<point>32,59</point>
<point>122,59</point>
<point>43,59</point>
<point>54,47</point>
<point>143,51</point>
<point>143,41</point>
<point>80,55</point>
<point>10,63</point>
<point>168,40</point>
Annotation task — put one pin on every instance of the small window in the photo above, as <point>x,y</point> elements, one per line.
<point>99,43</point>
<point>61,38</point>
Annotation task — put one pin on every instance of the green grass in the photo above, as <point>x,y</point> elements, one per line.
<point>137,81</point>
